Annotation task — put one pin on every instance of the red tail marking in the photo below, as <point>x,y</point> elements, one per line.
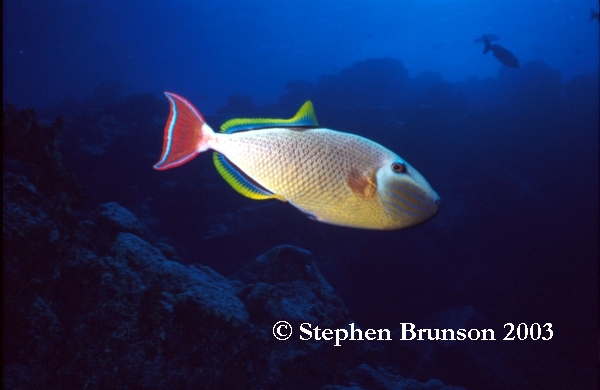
<point>183,133</point>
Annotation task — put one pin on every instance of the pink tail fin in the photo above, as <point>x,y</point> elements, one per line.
<point>186,134</point>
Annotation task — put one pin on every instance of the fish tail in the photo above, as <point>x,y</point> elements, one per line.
<point>487,44</point>
<point>186,134</point>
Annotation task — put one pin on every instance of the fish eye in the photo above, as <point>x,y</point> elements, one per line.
<point>398,167</point>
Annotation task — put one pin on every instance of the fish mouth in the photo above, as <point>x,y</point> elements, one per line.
<point>410,203</point>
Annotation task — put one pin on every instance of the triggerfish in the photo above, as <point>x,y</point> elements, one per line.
<point>331,176</point>
<point>503,55</point>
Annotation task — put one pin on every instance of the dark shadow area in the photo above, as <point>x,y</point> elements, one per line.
<point>515,160</point>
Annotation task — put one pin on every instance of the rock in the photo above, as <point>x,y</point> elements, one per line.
<point>286,263</point>
<point>204,291</point>
<point>114,218</point>
<point>366,377</point>
<point>91,303</point>
<point>24,217</point>
<point>289,286</point>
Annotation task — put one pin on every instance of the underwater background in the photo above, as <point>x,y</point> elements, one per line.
<point>119,276</point>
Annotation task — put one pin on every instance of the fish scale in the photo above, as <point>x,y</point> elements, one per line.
<point>308,168</point>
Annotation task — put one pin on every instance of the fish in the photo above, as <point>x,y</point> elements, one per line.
<point>331,176</point>
<point>594,15</point>
<point>504,56</point>
<point>490,37</point>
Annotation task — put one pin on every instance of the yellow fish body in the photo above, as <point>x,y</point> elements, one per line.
<point>333,177</point>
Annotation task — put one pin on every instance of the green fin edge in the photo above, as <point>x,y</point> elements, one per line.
<point>238,181</point>
<point>305,117</point>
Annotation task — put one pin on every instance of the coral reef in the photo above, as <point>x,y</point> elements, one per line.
<point>96,295</point>
<point>90,303</point>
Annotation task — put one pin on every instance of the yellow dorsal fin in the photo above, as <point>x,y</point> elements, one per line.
<point>305,117</point>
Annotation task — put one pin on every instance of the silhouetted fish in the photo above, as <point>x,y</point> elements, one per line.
<point>490,37</point>
<point>595,15</point>
<point>506,57</point>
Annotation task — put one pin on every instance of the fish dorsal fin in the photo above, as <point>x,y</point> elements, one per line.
<point>239,181</point>
<point>305,117</point>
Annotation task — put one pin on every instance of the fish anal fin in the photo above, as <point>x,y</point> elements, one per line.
<point>361,184</point>
<point>240,181</point>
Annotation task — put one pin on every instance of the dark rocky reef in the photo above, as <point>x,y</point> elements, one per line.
<point>89,302</point>
<point>93,296</point>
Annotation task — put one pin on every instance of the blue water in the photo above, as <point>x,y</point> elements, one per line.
<point>216,48</point>
<point>513,152</point>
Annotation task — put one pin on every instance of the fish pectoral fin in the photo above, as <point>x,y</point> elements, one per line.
<point>304,118</point>
<point>240,181</point>
<point>361,184</point>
